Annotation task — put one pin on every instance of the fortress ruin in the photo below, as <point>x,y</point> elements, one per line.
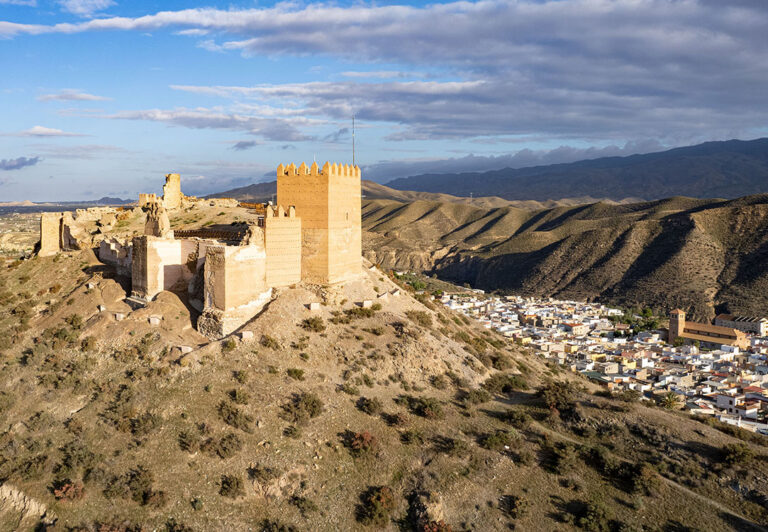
<point>313,235</point>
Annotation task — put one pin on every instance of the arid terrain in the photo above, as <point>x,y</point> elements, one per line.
<point>402,416</point>
<point>706,256</point>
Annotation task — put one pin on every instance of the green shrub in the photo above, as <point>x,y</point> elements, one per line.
<point>228,345</point>
<point>737,454</point>
<point>229,445</point>
<point>376,503</point>
<point>516,506</point>
<point>420,317</point>
<point>302,408</point>
<point>498,440</point>
<point>232,415</point>
<point>427,407</point>
<point>593,518</point>
<point>350,388</point>
<point>88,344</point>
<point>269,342</point>
<point>239,396</point>
<point>292,431</point>
<point>369,406</point>
<point>505,383</point>
<point>189,441</point>
<point>439,382</point>
<point>519,420</point>
<point>413,436</point>
<point>304,505</point>
<point>475,397</point>
<point>231,486</point>
<point>296,373</point>
<point>361,443</point>
<point>559,396</point>
<point>313,324</point>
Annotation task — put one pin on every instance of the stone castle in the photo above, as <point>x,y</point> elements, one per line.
<point>312,235</point>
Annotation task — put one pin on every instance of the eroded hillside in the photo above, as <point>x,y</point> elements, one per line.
<point>702,255</point>
<point>401,416</point>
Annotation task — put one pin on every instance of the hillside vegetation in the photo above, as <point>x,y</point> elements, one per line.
<point>711,170</point>
<point>402,416</point>
<point>705,256</point>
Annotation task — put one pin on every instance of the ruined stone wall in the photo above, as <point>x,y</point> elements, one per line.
<point>50,233</point>
<point>117,254</point>
<point>328,202</point>
<point>172,191</point>
<point>234,276</point>
<point>146,199</point>
<point>160,264</point>
<point>283,247</point>
<point>235,288</point>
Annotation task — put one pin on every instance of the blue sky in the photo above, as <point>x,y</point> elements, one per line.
<point>103,97</point>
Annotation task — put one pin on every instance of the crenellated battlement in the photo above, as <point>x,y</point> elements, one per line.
<point>328,170</point>
<point>280,212</point>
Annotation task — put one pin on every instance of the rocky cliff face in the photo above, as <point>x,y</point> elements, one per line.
<point>703,255</point>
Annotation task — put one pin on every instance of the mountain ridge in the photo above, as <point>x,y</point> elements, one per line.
<point>726,169</point>
<point>705,256</point>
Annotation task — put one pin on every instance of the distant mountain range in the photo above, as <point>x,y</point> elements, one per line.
<point>725,169</point>
<point>264,192</point>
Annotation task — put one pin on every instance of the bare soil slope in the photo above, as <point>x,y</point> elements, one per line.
<point>706,256</point>
<point>402,416</point>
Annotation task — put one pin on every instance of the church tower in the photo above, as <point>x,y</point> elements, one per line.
<point>676,324</point>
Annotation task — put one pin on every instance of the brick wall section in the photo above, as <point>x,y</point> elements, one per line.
<point>283,247</point>
<point>328,202</point>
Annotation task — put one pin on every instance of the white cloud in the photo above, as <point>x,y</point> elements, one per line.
<point>203,118</point>
<point>382,74</point>
<point>28,3</point>
<point>85,8</point>
<point>594,69</point>
<point>71,95</point>
<point>41,131</point>
<point>192,32</point>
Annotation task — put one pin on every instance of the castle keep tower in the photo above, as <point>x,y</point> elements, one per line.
<point>329,203</point>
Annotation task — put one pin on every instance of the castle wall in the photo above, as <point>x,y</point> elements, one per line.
<point>146,199</point>
<point>235,288</point>
<point>283,249</point>
<point>117,254</point>
<point>160,264</point>
<point>344,228</point>
<point>50,233</point>
<point>308,192</point>
<point>172,191</point>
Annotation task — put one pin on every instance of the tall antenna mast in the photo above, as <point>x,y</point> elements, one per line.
<point>353,140</point>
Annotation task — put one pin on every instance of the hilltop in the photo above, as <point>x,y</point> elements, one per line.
<point>405,416</point>
<point>706,256</point>
<point>726,169</point>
